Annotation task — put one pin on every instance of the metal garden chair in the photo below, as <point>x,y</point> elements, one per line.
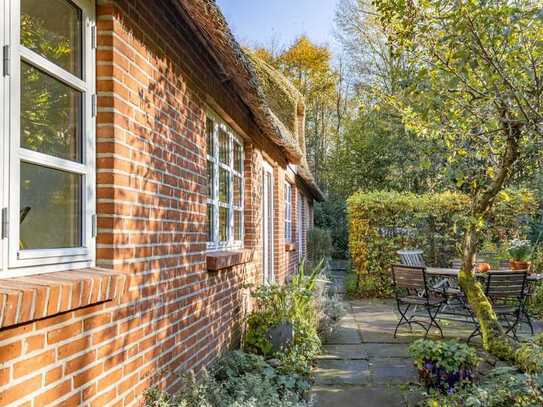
<point>412,291</point>
<point>412,258</point>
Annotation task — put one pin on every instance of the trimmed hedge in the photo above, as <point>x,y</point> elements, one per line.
<point>380,223</point>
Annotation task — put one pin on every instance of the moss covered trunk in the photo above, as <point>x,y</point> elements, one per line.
<point>494,338</point>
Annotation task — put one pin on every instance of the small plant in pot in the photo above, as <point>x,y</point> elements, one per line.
<point>444,365</point>
<point>520,253</point>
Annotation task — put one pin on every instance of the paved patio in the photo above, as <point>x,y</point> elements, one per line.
<point>363,364</point>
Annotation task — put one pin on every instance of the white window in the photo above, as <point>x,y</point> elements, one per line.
<point>288,212</point>
<point>225,186</point>
<point>48,128</point>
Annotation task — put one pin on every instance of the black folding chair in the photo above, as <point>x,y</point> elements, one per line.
<point>411,290</point>
<point>506,290</point>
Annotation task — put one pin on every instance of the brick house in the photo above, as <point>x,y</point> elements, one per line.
<point>150,169</point>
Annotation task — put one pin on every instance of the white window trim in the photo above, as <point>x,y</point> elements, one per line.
<point>231,243</point>
<point>288,212</point>
<point>18,262</point>
<point>267,223</point>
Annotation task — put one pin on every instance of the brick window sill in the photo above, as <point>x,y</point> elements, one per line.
<point>290,247</point>
<point>222,260</point>
<point>25,299</point>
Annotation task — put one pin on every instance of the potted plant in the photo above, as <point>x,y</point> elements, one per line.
<point>444,365</point>
<point>520,252</point>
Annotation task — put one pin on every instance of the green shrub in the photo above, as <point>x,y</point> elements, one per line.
<point>443,364</point>
<point>319,244</point>
<point>237,380</point>
<point>535,304</point>
<point>332,215</point>
<point>381,223</point>
<point>529,357</point>
<point>351,284</point>
<point>293,302</point>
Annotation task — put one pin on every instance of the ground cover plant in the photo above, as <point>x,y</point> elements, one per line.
<point>444,365</point>
<point>517,385</point>
<point>237,380</point>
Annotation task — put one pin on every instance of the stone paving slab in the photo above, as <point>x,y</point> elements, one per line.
<point>342,372</point>
<point>363,396</point>
<point>346,352</point>
<point>396,371</point>
<point>395,350</point>
<point>386,338</point>
<point>344,335</point>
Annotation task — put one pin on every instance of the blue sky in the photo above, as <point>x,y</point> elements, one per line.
<point>258,22</point>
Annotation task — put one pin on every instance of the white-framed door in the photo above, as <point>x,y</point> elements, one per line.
<point>267,223</point>
<point>4,131</point>
<point>300,226</point>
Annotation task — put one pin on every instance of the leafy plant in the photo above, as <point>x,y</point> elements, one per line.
<point>443,364</point>
<point>237,380</point>
<point>502,387</point>
<point>520,250</point>
<point>294,303</point>
<point>331,310</point>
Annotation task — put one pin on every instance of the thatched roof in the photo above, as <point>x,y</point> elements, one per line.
<point>276,104</point>
<point>288,104</point>
<point>213,29</point>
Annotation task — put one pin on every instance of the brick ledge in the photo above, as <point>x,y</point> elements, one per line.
<point>25,299</point>
<point>221,260</point>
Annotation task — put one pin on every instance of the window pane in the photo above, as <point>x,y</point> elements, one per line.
<point>224,185</point>
<point>50,215</point>
<point>237,191</point>
<point>210,231</point>
<point>209,137</point>
<point>288,232</point>
<point>224,148</point>
<point>210,179</point>
<point>238,162</point>
<point>50,115</point>
<point>52,29</point>
<point>237,225</point>
<point>223,224</point>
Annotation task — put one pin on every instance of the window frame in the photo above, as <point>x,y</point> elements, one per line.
<point>25,262</point>
<point>300,224</point>
<point>288,211</point>
<point>216,244</point>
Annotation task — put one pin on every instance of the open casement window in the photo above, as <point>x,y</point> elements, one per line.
<point>48,132</point>
<point>288,212</point>
<point>224,187</point>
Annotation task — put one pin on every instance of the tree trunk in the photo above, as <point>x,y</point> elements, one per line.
<point>494,338</point>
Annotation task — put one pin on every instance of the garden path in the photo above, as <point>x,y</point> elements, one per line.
<point>362,364</point>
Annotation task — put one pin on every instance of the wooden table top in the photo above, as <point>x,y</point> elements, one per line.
<point>447,272</point>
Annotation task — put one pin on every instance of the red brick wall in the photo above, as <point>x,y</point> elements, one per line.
<point>151,225</point>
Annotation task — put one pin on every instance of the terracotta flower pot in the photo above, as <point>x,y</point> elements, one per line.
<point>484,267</point>
<point>519,265</point>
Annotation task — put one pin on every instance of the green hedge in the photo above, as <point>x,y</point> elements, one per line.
<point>380,223</point>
